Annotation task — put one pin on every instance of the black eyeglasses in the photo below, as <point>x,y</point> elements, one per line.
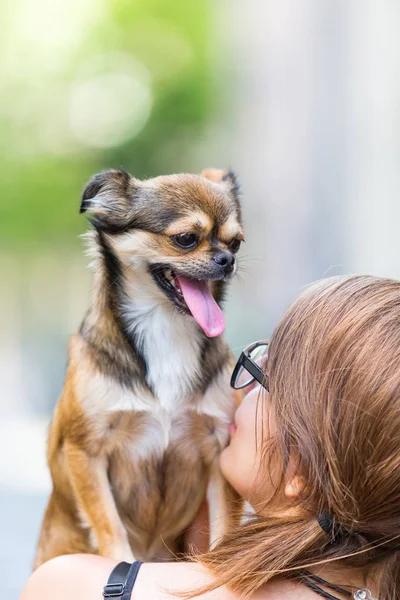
<point>248,367</point>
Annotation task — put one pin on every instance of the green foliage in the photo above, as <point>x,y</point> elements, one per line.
<point>48,136</point>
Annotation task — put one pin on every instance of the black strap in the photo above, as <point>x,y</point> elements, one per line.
<point>308,575</point>
<point>121,580</point>
<point>311,582</point>
<point>315,588</point>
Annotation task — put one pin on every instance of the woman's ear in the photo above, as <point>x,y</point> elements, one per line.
<point>294,487</point>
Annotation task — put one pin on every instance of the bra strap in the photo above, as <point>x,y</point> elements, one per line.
<point>121,580</point>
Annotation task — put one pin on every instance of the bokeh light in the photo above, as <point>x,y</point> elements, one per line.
<point>110,108</point>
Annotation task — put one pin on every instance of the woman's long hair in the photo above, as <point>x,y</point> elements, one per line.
<point>334,375</point>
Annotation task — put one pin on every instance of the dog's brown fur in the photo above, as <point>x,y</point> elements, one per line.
<point>118,489</point>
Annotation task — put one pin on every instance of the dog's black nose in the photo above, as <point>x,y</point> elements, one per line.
<point>225,260</point>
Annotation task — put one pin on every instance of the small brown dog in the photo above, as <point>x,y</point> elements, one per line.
<point>134,443</point>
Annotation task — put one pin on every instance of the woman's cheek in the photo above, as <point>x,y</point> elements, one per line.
<point>239,461</point>
<point>238,465</point>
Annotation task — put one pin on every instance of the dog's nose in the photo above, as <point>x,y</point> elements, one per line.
<point>225,260</point>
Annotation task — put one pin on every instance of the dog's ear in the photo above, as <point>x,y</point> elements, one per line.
<point>108,197</point>
<point>227,179</point>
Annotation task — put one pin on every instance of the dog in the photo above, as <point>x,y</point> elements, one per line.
<point>134,442</point>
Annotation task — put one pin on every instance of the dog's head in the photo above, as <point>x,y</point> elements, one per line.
<point>182,230</point>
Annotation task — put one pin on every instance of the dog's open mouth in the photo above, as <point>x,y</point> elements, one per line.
<point>191,296</point>
<point>168,282</point>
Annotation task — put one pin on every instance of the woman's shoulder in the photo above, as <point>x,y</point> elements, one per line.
<point>184,577</point>
<point>168,579</point>
<point>82,577</point>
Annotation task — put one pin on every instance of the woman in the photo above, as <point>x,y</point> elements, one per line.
<point>315,449</point>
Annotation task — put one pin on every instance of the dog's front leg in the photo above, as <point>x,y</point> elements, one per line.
<point>224,505</point>
<point>93,493</point>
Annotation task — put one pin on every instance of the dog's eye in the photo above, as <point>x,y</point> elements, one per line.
<point>186,240</point>
<point>234,245</point>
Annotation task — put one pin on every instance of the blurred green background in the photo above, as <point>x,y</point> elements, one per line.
<point>86,85</point>
<point>300,97</point>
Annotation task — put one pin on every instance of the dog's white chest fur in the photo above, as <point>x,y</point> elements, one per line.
<point>171,346</point>
<point>171,349</point>
<point>169,342</point>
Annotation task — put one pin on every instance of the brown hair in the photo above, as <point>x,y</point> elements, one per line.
<point>334,373</point>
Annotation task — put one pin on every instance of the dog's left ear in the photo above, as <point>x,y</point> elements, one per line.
<point>227,179</point>
<point>109,198</point>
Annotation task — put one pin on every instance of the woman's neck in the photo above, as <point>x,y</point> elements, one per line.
<point>348,579</point>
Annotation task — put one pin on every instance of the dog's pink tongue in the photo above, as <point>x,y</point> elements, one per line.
<point>202,305</point>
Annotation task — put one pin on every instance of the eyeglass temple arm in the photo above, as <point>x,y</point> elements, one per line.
<point>254,369</point>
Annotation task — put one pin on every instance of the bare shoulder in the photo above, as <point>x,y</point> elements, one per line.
<point>82,577</point>
<point>166,579</point>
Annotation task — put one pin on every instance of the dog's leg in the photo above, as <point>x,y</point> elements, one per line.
<point>92,490</point>
<point>224,505</point>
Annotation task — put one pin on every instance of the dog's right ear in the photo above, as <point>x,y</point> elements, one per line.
<point>227,179</point>
<point>108,197</point>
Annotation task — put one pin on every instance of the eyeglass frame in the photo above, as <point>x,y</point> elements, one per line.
<point>251,367</point>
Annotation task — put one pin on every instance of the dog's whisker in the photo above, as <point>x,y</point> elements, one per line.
<point>242,270</point>
<point>251,261</point>
<point>257,255</point>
